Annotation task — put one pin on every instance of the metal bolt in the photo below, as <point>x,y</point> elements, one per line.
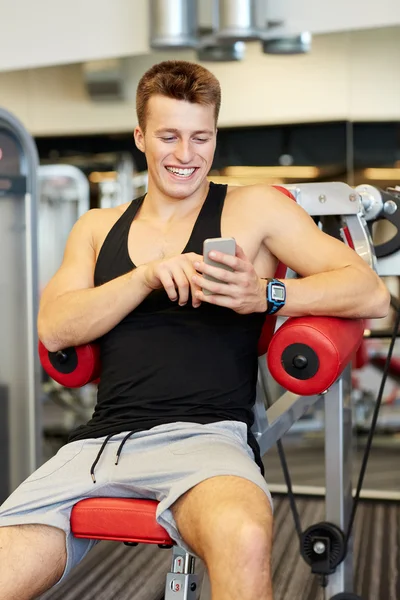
<point>353,197</point>
<point>319,547</point>
<point>390,207</point>
<point>322,198</point>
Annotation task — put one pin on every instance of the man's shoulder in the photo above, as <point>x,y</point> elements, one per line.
<point>259,195</point>
<point>99,217</point>
<point>97,222</point>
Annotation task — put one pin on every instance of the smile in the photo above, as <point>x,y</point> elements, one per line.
<point>182,173</point>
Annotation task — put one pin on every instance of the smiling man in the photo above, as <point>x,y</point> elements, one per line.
<point>179,367</point>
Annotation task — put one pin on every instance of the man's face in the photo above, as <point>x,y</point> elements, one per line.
<point>179,144</point>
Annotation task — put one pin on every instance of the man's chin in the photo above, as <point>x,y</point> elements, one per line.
<point>183,190</point>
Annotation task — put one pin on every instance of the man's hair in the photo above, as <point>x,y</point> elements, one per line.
<point>180,80</point>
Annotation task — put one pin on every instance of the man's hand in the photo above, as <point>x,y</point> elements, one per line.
<point>241,289</point>
<point>175,275</point>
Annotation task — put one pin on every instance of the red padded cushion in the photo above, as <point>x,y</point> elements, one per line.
<point>334,341</point>
<point>267,333</point>
<point>361,357</point>
<point>87,370</point>
<point>118,519</point>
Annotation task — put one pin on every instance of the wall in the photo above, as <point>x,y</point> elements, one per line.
<point>39,33</point>
<point>324,16</point>
<point>52,32</point>
<point>346,76</point>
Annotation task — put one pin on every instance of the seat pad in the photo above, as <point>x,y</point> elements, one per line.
<point>118,519</point>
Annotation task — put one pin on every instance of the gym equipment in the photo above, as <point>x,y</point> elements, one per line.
<point>19,365</point>
<point>72,367</point>
<point>124,187</point>
<point>311,358</point>
<point>63,198</point>
<point>379,205</point>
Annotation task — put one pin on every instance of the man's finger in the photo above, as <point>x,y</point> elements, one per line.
<point>190,273</point>
<point>217,272</point>
<point>215,287</point>
<point>168,284</point>
<point>217,299</point>
<point>227,259</point>
<point>182,283</point>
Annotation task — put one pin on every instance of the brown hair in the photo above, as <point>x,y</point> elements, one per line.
<point>180,80</point>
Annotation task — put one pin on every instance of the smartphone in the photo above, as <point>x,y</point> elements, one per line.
<point>225,245</point>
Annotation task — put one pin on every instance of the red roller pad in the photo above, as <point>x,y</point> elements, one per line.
<point>285,191</point>
<point>267,333</point>
<point>361,357</point>
<point>334,341</point>
<point>118,519</point>
<point>87,365</point>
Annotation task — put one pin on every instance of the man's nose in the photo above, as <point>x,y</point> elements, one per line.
<point>183,152</point>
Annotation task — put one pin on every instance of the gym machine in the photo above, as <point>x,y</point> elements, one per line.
<point>310,357</point>
<point>64,196</point>
<point>113,192</point>
<point>20,435</point>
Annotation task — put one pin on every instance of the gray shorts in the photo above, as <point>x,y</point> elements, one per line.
<point>160,464</point>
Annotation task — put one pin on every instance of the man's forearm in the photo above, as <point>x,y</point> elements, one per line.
<point>82,316</point>
<point>349,292</point>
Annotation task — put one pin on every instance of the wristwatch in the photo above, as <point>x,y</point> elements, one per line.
<point>276,295</point>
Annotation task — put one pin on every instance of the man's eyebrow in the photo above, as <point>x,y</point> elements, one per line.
<point>176,131</point>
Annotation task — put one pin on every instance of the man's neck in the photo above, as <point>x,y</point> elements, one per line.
<point>161,207</point>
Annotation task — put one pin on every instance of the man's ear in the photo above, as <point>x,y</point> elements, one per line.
<point>139,138</point>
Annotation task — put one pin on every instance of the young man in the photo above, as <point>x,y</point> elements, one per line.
<point>178,365</point>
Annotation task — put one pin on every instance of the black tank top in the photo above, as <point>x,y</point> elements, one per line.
<point>165,363</point>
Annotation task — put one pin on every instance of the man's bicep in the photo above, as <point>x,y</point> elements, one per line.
<point>296,240</point>
<point>77,268</point>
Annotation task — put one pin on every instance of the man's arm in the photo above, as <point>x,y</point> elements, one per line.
<point>334,281</point>
<point>72,311</point>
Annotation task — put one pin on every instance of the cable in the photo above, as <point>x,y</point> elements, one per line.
<point>288,481</point>
<point>373,428</point>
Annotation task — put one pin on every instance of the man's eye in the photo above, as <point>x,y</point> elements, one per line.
<point>201,139</point>
<point>167,139</point>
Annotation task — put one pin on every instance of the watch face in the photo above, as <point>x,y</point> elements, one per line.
<point>277,293</point>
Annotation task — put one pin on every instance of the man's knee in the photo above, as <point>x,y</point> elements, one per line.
<point>240,532</point>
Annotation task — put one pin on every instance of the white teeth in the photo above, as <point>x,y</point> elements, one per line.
<point>181,172</point>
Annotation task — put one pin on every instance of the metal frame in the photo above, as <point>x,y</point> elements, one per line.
<point>26,457</point>
<point>78,177</point>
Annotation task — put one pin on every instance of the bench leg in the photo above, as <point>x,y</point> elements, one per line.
<point>338,473</point>
<point>182,583</point>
